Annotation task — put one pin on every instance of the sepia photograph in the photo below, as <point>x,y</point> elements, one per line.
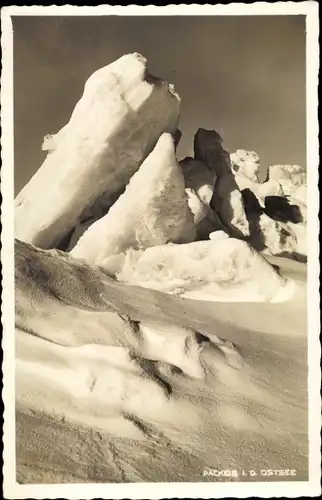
<point>160,251</point>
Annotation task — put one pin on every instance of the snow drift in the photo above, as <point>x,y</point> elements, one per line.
<point>80,343</point>
<point>114,126</point>
<point>172,376</point>
<point>222,270</point>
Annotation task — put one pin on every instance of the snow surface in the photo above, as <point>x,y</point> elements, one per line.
<point>230,391</point>
<point>153,210</point>
<point>114,126</point>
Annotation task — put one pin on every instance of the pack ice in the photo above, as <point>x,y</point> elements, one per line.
<point>153,210</point>
<point>147,304</point>
<point>114,126</point>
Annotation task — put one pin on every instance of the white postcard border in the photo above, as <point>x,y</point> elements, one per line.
<point>161,490</point>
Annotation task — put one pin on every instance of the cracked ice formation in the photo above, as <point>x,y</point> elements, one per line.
<point>199,182</point>
<point>291,177</point>
<point>246,168</point>
<point>227,200</point>
<point>268,188</point>
<point>114,126</point>
<point>276,209</point>
<point>246,163</point>
<point>153,210</point>
<point>276,227</point>
<point>277,236</point>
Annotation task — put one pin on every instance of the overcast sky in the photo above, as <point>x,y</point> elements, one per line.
<point>243,76</point>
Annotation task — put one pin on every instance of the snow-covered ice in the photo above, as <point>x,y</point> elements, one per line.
<point>291,177</point>
<point>114,126</point>
<point>223,269</point>
<point>227,200</point>
<point>199,182</point>
<point>246,163</point>
<point>152,211</point>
